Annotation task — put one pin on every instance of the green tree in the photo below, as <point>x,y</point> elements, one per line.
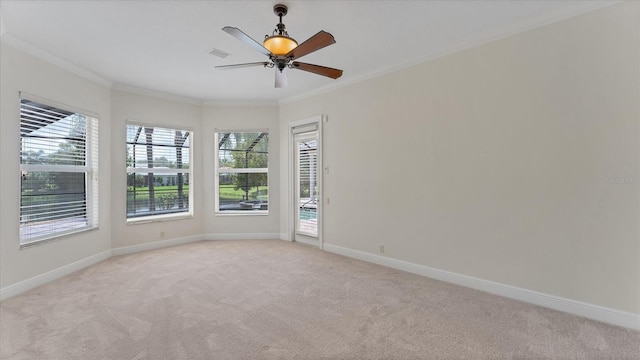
<point>249,150</point>
<point>164,162</point>
<point>72,151</point>
<point>34,157</point>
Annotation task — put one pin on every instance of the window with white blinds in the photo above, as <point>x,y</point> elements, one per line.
<point>241,178</point>
<point>158,172</point>
<point>58,166</point>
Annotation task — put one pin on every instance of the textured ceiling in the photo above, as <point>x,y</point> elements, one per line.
<point>163,45</point>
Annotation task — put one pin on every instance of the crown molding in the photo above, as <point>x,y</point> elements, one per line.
<point>479,41</point>
<point>156,94</point>
<point>187,100</point>
<point>256,103</point>
<point>52,59</point>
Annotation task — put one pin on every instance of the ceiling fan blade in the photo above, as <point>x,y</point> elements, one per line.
<point>281,78</point>
<point>237,66</point>
<point>238,34</point>
<point>317,69</point>
<point>314,43</point>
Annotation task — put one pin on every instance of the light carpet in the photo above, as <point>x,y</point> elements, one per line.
<point>279,300</point>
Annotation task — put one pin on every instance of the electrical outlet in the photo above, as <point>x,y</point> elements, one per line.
<point>327,201</point>
<point>382,248</point>
<point>161,234</point>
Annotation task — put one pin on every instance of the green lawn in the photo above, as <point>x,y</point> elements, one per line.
<point>142,193</point>
<point>227,192</point>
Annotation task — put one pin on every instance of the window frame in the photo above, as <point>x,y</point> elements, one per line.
<point>217,172</point>
<point>189,213</point>
<point>89,169</point>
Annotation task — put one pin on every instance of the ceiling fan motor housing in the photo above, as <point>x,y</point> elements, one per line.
<point>281,62</point>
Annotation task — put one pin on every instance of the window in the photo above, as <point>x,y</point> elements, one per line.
<point>58,166</point>
<point>158,172</point>
<point>241,178</point>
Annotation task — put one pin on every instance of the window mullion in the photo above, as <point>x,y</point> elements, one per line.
<point>158,170</point>
<point>242,171</point>
<point>54,168</point>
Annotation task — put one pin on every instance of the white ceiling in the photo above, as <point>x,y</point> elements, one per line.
<point>163,45</point>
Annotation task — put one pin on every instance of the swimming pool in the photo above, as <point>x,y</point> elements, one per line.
<point>308,213</point>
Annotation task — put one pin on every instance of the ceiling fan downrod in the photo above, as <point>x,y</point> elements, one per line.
<point>280,11</point>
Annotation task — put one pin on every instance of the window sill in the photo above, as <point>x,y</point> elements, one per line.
<point>56,237</point>
<point>242,213</point>
<point>158,218</point>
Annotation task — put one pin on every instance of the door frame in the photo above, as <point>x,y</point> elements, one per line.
<point>318,120</point>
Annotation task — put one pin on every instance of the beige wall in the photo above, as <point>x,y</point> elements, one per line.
<point>499,162</point>
<point>164,113</point>
<point>231,118</point>
<point>22,72</point>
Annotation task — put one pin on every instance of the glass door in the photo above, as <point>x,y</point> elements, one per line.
<point>306,187</point>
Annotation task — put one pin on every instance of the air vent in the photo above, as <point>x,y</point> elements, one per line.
<point>219,53</point>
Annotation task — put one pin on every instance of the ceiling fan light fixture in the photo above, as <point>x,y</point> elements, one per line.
<point>282,50</point>
<point>279,44</point>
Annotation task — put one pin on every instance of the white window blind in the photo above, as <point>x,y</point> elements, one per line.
<point>158,171</point>
<point>58,165</point>
<point>241,182</point>
<point>305,128</point>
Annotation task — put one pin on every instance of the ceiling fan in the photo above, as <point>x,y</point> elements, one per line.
<point>282,50</point>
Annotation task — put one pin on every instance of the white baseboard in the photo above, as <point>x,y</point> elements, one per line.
<point>242,236</point>
<point>284,236</point>
<point>595,312</point>
<point>155,245</point>
<point>22,286</point>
